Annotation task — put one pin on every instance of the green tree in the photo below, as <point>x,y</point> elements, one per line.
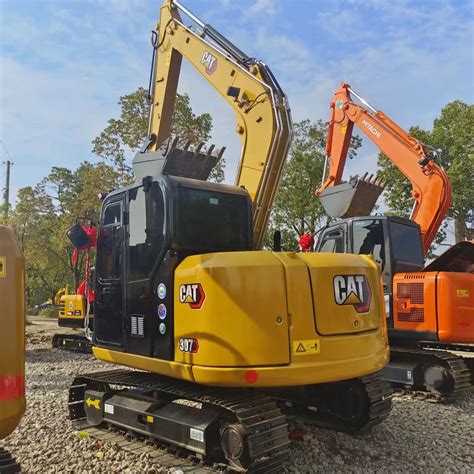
<point>296,209</point>
<point>42,216</point>
<point>453,136</point>
<point>127,133</point>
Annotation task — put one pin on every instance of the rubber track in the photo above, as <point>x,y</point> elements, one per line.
<point>138,444</point>
<point>8,464</point>
<point>72,343</point>
<point>266,427</point>
<point>380,399</point>
<point>456,365</point>
<point>379,404</point>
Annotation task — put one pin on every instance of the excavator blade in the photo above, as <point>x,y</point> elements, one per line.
<point>352,199</point>
<point>170,159</point>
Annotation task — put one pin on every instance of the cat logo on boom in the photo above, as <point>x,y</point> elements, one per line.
<point>352,290</point>
<point>209,62</point>
<point>192,294</point>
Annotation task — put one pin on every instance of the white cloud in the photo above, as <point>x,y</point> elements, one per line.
<point>61,74</point>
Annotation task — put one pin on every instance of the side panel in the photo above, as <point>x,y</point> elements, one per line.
<point>345,290</point>
<point>233,304</point>
<point>414,302</point>
<point>12,334</point>
<point>456,307</point>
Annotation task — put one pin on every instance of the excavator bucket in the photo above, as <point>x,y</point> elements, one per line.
<point>187,162</point>
<point>352,199</point>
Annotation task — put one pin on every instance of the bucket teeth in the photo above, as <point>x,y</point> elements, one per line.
<point>352,199</point>
<point>178,157</point>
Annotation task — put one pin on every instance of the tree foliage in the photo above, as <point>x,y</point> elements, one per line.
<point>452,136</point>
<point>45,212</point>
<point>296,209</point>
<point>126,134</point>
<point>42,216</point>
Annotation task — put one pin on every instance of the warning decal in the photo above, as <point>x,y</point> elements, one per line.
<point>3,267</point>
<point>306,347</point>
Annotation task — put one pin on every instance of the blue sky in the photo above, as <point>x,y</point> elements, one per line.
<point>64,64</point>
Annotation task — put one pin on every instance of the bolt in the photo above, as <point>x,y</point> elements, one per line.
<point>279,319</point>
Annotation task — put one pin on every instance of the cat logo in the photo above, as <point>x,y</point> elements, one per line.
<point>209,62</point>
<point>192,294</point>
<point>352,290</point>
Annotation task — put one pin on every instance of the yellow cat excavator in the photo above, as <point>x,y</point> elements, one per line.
<point>184,294</point>
<point>12,341</point>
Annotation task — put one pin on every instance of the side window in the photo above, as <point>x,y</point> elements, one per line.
<point>368,237</point>
<point>146,230</point>
<point>109,255</point>
<point>333,242</point>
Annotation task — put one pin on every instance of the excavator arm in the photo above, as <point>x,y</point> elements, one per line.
<point>246,84</point>
<point>431,188</point>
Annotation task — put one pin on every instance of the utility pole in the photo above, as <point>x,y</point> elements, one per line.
<point>6,194</point>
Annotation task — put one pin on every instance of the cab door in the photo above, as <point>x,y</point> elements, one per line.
<point>109,296</point>
<point>145,242</point>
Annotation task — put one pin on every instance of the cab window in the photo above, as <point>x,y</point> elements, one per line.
<point>333,242</point>
<point>368,238</point>
<point>146,230</point>
<point>109,257</point>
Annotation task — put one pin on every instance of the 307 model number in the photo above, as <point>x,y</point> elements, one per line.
<point>187,344</point>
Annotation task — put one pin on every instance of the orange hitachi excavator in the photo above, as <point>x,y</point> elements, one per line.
<point>430,307</point>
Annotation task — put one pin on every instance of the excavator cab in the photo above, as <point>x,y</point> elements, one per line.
<point>394,243</point>
<point>149,229</point>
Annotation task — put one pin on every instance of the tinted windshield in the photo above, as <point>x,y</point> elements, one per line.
<point>406,243</point>
<point>209,220</point>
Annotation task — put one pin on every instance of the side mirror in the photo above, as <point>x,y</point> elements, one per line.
<point>78,237</point>
<point>277,241</point>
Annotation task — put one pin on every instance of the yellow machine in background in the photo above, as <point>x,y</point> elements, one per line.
<point>72,311</point>
<point>59,295</point>
<point>12,340</point>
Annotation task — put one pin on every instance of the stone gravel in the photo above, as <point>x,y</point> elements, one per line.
<point>417,437</point>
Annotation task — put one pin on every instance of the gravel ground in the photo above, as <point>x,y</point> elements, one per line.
<point>417,437</point>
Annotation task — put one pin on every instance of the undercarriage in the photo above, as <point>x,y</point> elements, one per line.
<point>430,374</point>
<point>238,429</point>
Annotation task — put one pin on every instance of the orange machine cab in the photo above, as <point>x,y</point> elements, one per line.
<point>437,302</point>
<point>12,335</point>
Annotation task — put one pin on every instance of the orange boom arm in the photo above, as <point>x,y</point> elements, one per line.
<point>431,188</point>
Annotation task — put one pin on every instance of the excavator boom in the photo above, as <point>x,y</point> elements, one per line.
<point>246,84</point>
<point>431,188</point>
